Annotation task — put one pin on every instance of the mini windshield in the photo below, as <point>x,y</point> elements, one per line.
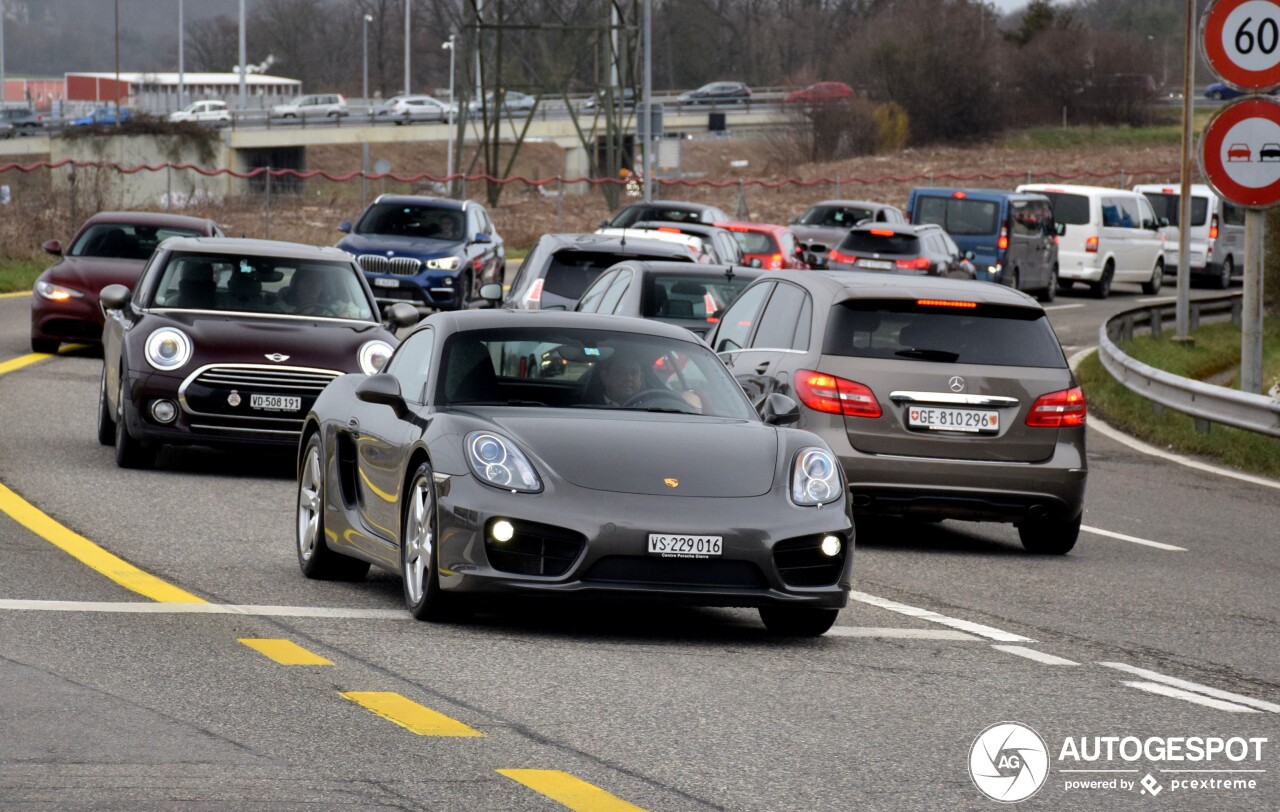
<point>587,369</point>
<point>252,284</point>
<point>412,220</point>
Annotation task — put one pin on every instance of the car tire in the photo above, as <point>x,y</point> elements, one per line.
<point>106,422</point>
<point>1051,289</point>
<point>419,555</point>
<point>1153,285</point>
<point>45,345</point>
<point>1049,537</point>
<point>1015,281</point>
<point>130,451</point>
<point>1224,276</point>
<point>1102,288</point>
<point>465,284</point>
<point>796,621</point>
<point>315,558</point>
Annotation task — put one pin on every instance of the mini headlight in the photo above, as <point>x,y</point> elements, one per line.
<point>443,264</point>
<point>373,356</point>
<point>56,293</point>
<point>496,461</point>
<point>815,478</point>
<point>168,349</point>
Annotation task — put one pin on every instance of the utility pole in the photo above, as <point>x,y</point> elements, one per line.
<point>408,83</point>
<point>647,104</point>
<point>1182,309</point>
<point>182,36</point>
<point>244,99</point>
<point>117,86</point>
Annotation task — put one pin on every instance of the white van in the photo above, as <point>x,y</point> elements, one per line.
<point>1217,231</point>
<point>1108,235</point>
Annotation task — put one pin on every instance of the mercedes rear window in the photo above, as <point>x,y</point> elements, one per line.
<point>869,242</point>
<point>958,215</point>
<point>1072,210</point>
<point>1169,206</point>
<point>902,329</point>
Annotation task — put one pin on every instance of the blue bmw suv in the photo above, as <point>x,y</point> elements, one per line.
<point>431,252</point>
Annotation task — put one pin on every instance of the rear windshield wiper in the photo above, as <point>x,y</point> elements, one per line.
<point>929,355</point>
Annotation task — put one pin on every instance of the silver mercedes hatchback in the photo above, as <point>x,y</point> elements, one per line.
<point>944,399</point>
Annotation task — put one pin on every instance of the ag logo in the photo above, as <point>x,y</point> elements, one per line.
<point>1008,762</point>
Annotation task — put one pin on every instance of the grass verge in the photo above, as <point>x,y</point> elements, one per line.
<point>19,274</point>
<point>1217,350</point>
<point>1160,134</point>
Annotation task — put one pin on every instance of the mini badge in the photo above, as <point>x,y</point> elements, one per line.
<point>233,399</point>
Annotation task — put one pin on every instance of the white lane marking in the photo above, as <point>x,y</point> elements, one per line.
<point>203,609</point>
<point>1178,693</point>
<point>1063,307</point>
<point>1096,424</point>
<point>1159,545</point>
<point>1193,686</point>
<point>899,634</point>
<point>1038,656</point>
<point>988,632</point>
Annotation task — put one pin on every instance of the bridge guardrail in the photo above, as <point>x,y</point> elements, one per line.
<point>1203,401</point>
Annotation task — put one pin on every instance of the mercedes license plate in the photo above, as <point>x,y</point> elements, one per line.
<point>876,264</point>
<point>275,403</point>
<point>975,420</point>
<point>672,545</point>
<point>385,282</point>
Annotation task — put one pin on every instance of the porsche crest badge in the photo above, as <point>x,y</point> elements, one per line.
<point>672,482</point>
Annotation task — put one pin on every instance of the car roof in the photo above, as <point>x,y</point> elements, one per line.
<point>842,286</point>
<point>897,228</point>
<point>241,245</point>
<point>864,203</point>
<point>613,243</point>
<point>1197,189</point>
<point>735,225</point>
<point>460,320</point>
<point>980,194</point>
<point>674,204</point>
<point>423,200</point>
<point>1075,189</point>
<point>652,266</point>
<point>700,229</point>
<point>147,218</point>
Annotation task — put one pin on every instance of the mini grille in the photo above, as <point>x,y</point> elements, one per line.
<point>268,378</point>
<point>400,266</point>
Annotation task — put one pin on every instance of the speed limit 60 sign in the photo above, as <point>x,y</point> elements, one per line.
<point>1240,40</point>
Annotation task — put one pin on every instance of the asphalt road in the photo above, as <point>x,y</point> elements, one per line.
<point>114,701</point>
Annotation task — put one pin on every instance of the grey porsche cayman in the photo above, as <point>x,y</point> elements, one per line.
<point>543,453</point>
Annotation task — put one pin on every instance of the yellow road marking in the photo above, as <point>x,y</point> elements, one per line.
<point>285,652</point>
<point>90,554</point>
<point>15,364</point>
<point>409,714</point>
<point>572,792</point>
<point>15,295</point>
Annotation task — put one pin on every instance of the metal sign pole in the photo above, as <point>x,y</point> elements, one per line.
<point>1183,307</point>
<point>1251,332</point>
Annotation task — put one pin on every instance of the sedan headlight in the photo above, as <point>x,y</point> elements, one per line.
<point>496,461</point>
<point>815,478</point>
<point>168,349</point>
<point>373,356</point>
<point>443,264</point>
<point>57,293</point>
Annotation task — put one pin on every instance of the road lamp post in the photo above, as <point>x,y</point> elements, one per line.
<point>450,46</point>
<point>364,146</point>
<point>407,80</point>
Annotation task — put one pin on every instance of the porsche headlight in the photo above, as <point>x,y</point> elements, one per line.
<point>496,461</point>
<point>373,356</point>
<point>815,478</point>
<point>443,264</point>
<point>57,293</point>
<point>168,349</point>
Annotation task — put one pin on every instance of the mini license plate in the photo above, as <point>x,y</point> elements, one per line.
<point>275,403</point>
<point>975,420</point>
<point>876,264</point>
<point>671,545</point>
<point>385,282</point>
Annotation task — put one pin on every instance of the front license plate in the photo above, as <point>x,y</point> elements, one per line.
<point>670,545</point>
<point>385,282</point>
<point>275,403</point>
<point>876,264</point>
<point>953,419</point>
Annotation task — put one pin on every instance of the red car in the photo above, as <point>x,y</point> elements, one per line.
<point>110,248</point>
<point>767,246</point>
<point>820,93</point>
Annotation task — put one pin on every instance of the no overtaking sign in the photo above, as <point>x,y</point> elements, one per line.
<point>1240,152</point>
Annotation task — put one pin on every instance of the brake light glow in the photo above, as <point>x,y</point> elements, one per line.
<point>533,299</point>
<point>834,255</point>
<point>775,262</point>
<point>882,232</point>
<point>1091,245</point>
<point>668,230</point>
<point>1166,190</point>
<point>827,393</point>
<point>1061,409</point>
<point>917,264</point>
<point>959,195</point>
<point>945,303</point>
<point>1213,228</point>
<point>1003,242</point>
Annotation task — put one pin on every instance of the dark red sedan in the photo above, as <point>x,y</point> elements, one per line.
<point>820,93</point>
<point>111,248</point>
<point>773,247</point>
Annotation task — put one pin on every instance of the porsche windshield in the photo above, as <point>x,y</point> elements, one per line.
<point>593,369</point>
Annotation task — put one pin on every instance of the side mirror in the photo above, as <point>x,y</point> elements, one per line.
<point>345,226</point>
<point>779,410</point>
<point>401,314</point>
<point>1150,225</point>
<point>482,237</point>
<point>603,224</point>
<point>53,247</point>
<point>756,263</point>
<point>491,292</point>
<point>969,255</point>
<point>381,388</point>
<point>1163,222</point>
<point>795,221</point>
<point>114,297</point>
<point>1059,229</point>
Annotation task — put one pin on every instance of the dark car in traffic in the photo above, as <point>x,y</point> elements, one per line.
<point>723,247</point>
<point>110,248</point>
<point>674,211</point>
<point>825,224</point>
<point>688,295</point>
<point>820,93</point>
<point>23,120</point>
<point>717,93</point>
<point>560,267</point>
<point>924,250</point>
<point>228,342</point>
<point>594,482</point>
<point>943,398</point>
<point>430,252</point>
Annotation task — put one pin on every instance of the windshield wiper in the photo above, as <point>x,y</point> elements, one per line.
<point>929,355</point>
<point>497,403</point>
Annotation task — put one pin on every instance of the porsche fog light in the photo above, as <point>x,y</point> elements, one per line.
<point>503,530</point>
<point>496,461</point>
<point>815,478</point>
<point>168,349</point>
<point>163,411</point>
<point>830,546</point>
<point>373,356</point>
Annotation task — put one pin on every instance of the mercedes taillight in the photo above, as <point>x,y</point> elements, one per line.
<point>827,393</point>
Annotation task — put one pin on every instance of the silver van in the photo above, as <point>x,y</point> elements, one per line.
<point>1217,231</point>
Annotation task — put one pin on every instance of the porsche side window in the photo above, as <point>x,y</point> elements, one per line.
<point>412,364</point>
